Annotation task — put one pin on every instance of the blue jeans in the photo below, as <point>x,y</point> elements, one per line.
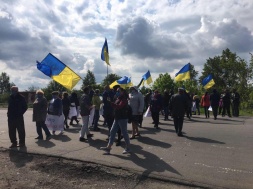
<point>119,124</point>
<point>41,125</point>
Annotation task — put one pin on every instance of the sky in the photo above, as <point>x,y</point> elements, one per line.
<point>160,36</point>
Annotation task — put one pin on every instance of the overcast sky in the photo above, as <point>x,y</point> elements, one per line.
<point>160,36</point>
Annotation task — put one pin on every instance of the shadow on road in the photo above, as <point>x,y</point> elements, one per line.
<point>152,142</point>
<point>62,137</point>
<point>45,143</point>
<point>202,139</point>
<point>148,161</point>
<point>20,157</point>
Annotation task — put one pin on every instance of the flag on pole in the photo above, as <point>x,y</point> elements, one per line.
<point>58,71</point>
<point>208,82</point>
<point>147,78</point>
<point>123,82</point>
<point>184,73</point>
<point>105,53</point>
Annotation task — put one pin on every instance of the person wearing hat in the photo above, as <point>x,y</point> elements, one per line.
<point>136,101</point>
<point>178,106</point>
<point>17,106</point>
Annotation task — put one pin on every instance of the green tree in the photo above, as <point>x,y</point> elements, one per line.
<point>163,82</point>
<point>110,78</point>
<point>5,84</point>
<point>229,71</point>
<point>33,88</point>
<point>89,79</point>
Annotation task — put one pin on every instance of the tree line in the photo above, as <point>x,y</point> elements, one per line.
<point>229,71</point>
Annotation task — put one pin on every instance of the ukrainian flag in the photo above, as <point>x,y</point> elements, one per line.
<point>147,78</point>
<point>123,82</point>
<point>208,82</point>
<point>105,53</point>
<point>184,73</point>
<point>58,71</point>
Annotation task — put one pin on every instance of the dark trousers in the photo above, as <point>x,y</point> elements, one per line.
<point>155,116</point>
<point>226,109</point>
<point>189,112</point>
<point>96,118</point>
<point>41,125</point>
<point>178,124</point>
<point>19,125</point>
<point>206,111</point>
<point>66,114</point>
<point>109,118</point>
<point>197,109</point>
<point>235,109</point>
<point>73,118</point>
<point>215,111</point>
<point>166,112</point>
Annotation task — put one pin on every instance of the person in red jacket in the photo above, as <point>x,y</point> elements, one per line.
<point>205,102</point>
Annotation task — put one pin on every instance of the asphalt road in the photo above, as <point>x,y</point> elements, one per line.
<point>212,153</point>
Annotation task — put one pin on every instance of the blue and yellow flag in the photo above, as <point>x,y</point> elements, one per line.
<point>58,71</point>
<point>147,78</point>
<point>105,53</point>
<point>208,82</point>
<point>184,73</point>
<point>123,82</point>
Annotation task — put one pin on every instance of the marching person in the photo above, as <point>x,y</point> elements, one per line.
<point>120,122</point>
<point>205,102</point>
<point>136,101</point>
<point>178,106</point>
<point>85,106</point>
<point>17,106</point>
<point>66,107</point>
<point>155,107</point>
<point>40,114</point>
<point>55,109</point>
<point>215,99</point>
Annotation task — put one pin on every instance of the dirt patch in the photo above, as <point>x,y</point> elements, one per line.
<point>24,171</point>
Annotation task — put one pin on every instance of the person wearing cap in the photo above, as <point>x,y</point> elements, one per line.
<point>178,106</point>
<point>156,105</point>
<point>136,101</point>
<point>17,106</point>
<point>40,114</point>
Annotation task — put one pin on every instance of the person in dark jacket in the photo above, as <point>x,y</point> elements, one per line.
<point>74,103</point>
<point>166,99</point>
<point>215,99</point>
<point>85,106</point>
<point>226,104</point>
<point>40,114</point>
<point>66,107</point>
<point>178,106</point>
<point>108,96</point>
<point>17,106</point>
<point>235,103</point>
<point>155,107</point>
<point>120,121</point>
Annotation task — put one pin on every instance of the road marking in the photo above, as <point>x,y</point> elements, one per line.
<point>224,169</point>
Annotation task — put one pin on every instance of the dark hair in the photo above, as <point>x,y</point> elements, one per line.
<point>65,95</point>
<point>55,93</point>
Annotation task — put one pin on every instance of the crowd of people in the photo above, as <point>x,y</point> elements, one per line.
<point>117,107</point>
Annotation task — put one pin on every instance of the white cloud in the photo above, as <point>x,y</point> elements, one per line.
<point>142,35</point>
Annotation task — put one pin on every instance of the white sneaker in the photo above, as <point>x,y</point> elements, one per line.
<point>126,151</point>
<point>61,133</point>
